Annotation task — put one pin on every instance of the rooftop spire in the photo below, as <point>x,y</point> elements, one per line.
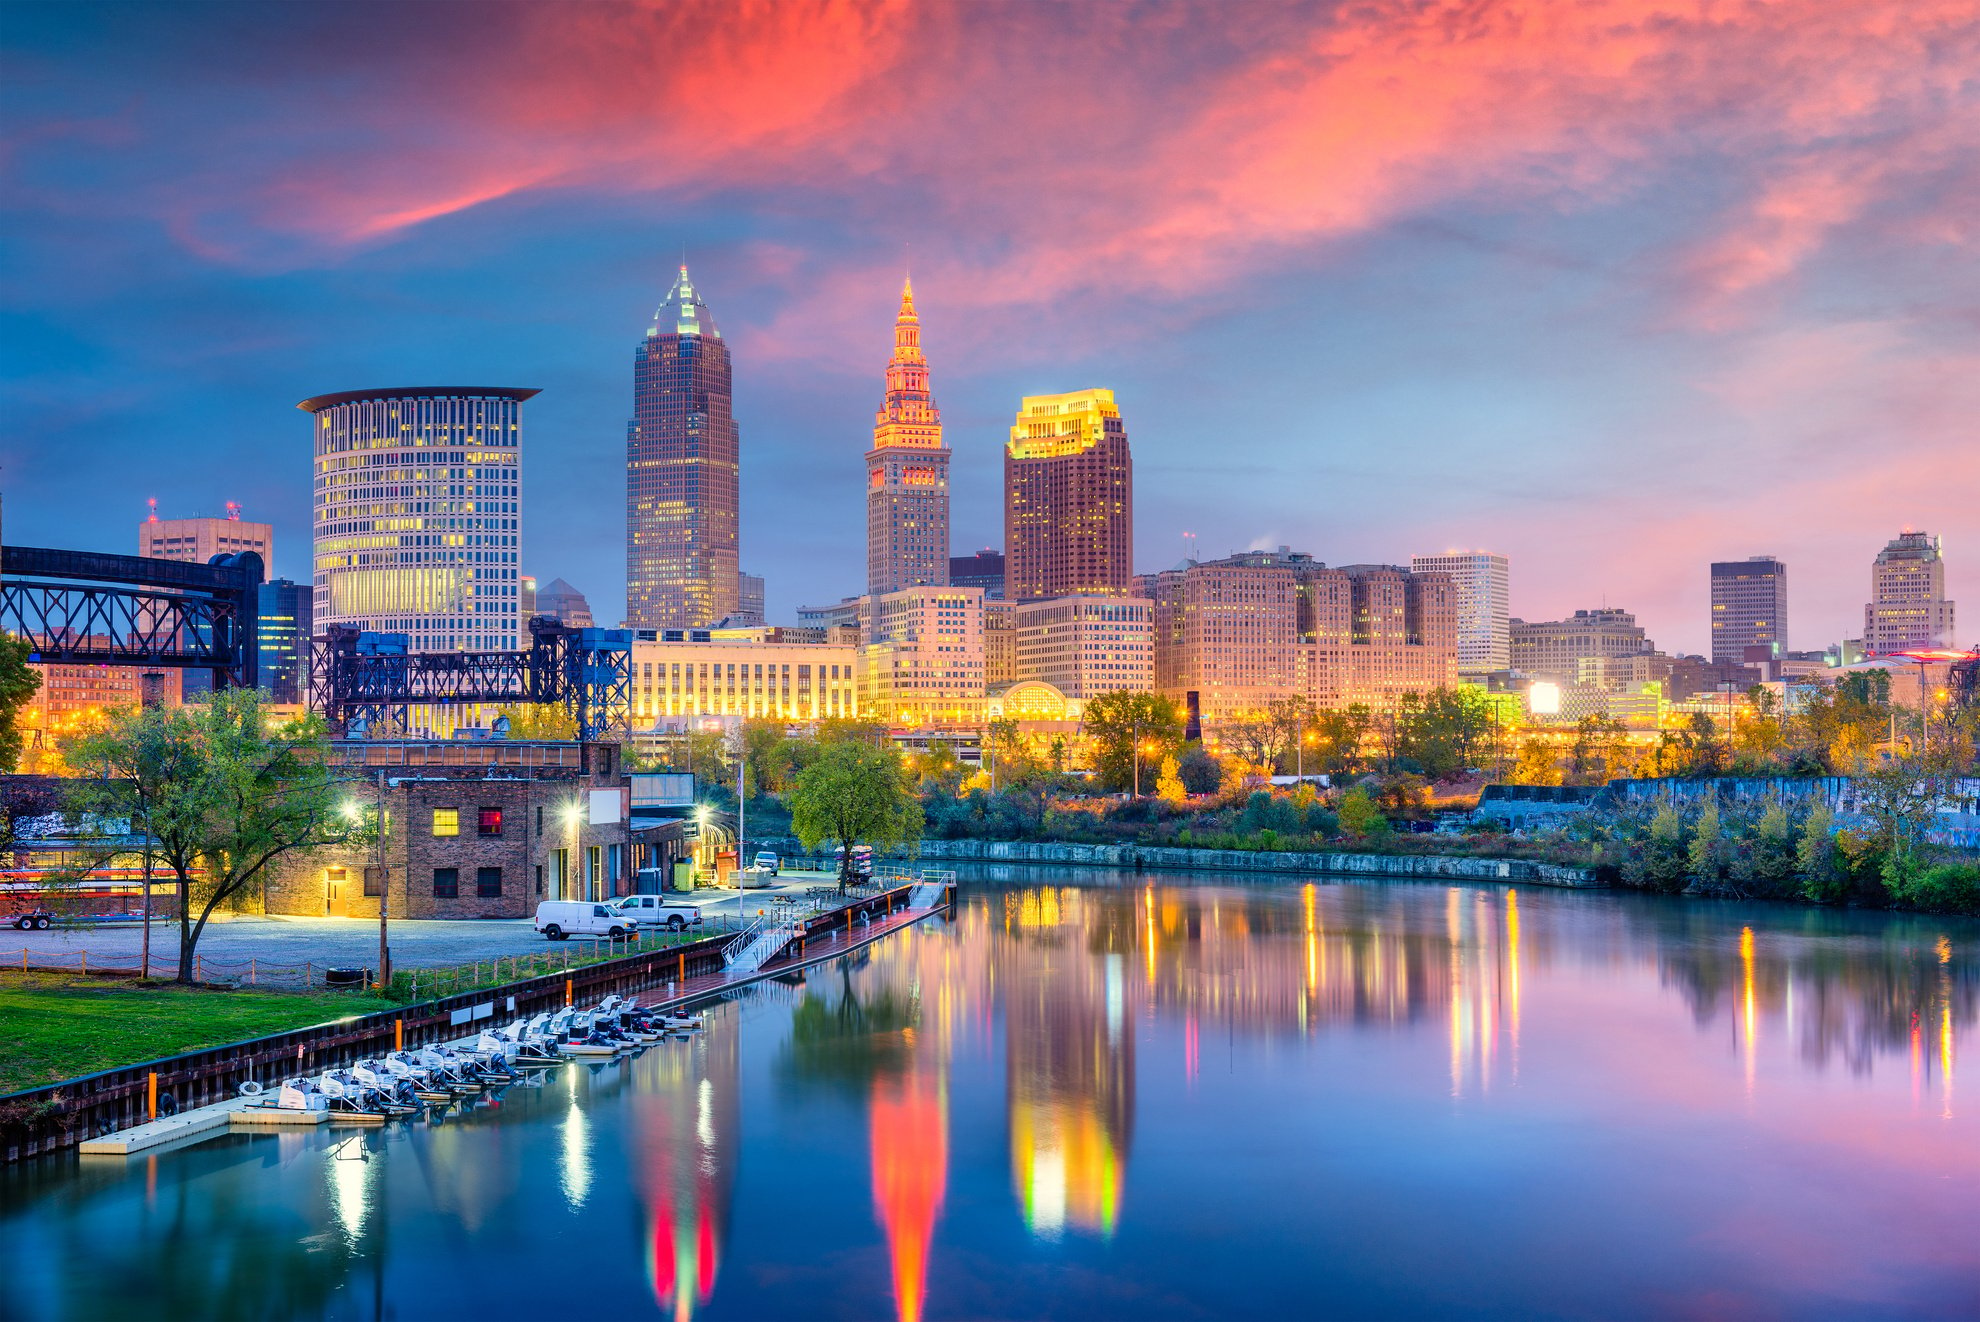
<point>684,310</point>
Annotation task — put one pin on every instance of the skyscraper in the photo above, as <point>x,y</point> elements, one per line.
<point>683,497</point>
<point>282,633</point>
<point>907,472</point>
<point>1068,499</point>
<point>419,513</point>
<point>1908,606</point>
<point>1483,585</point>
<point>1749,607</point>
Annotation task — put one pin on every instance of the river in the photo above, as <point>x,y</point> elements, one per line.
<point>1097,1096</point>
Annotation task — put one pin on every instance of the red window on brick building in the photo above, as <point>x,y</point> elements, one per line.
<point>490,821</point>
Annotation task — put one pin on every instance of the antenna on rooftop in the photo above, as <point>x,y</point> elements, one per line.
<point>1189,546</point>
<point>234,510</point>
<point>152,505</point>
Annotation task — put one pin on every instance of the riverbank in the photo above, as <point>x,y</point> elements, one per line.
<point>1169,858</point>
<point>60,1027</point>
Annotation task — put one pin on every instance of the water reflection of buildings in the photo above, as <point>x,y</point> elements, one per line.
<point>687,1120</point>
<point>1069,1006</point>
<point>1830,993</point>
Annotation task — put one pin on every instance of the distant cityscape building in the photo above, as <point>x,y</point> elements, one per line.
<point>200,539</point>
<point>1085,646</point>
<point>418,514</point>
<point>907,472</point>
<point>1908,607</point>
<point>1068,499</point>
<point>921,662</point>
<point>283,628</point>
<point>683,471</point>
<point>749,599</point>
<point>1245,630</point>
<point>1484,597</point>
<point>1749,607</point>
<point>1000,665</point>
<point>983,570</point>
<point>565,603</point>
<point>526,599</point>
<point>1554,649</point>
<point>845,612</point>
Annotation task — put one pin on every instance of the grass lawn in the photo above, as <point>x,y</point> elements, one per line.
<point>59,1026</point>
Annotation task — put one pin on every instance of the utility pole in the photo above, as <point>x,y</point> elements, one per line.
<point>384,894</point>
<point>1135,755</point>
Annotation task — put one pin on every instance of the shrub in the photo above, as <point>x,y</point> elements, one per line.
<point>1360,817</point>
<point>1946,888</point>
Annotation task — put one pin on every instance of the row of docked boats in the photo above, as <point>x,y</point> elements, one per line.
<point>403,1083</point>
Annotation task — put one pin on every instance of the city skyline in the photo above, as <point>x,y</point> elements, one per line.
<point>1647,367</point>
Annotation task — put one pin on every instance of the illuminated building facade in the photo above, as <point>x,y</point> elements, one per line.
<point>922,658</point>
<point>1555,649</point>
<point>684,673</point>
<point>283,628</point>
<point>907,472</point>
<point>999,643</point>
<point>1085,646</point>
<point>1068,499</point>
<point>1749,608</point>
<point>1245,630</point>
<point>683,471</point>
<point>1483,583</point>
<point>1908,607</point>
<point>419,514</point>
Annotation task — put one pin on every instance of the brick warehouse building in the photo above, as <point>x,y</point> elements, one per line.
<point>474,829</point>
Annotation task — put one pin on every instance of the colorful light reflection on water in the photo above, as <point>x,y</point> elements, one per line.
<point>1129,1098</point>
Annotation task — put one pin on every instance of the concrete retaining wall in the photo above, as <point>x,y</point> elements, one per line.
<point>1167,859</point>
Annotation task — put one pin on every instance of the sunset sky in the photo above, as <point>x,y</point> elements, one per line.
<point>1616,287</point>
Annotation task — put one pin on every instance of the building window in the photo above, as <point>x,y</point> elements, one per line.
<point>374,881</point>
<point>446,822</point>
<point>490,821</point>
<point>539,879</point>
<point>446,883</point>
<point>487,882</point>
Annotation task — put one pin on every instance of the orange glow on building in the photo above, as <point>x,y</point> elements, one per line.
<point>907,472</point>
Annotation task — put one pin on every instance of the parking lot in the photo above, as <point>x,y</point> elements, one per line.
<point>423,943</point>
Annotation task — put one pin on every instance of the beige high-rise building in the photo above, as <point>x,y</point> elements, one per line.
<point>200,539</point>
<point>907,472</point>
<point>1484,594</point>
<point>999,643</point>
<point>1908,609</point>
<point>1086,646</point>
<point>921,662</point>
<point>1261,625</point>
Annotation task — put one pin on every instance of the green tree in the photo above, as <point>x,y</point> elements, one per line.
<point>1443,731</point>
<point>1360,817</point>
<point>1899,800</point>
<point>19,682</point>
<point>539,720</point>
<point>1125,726</point>
<point>1817,858</point>
<point>1201,772</point>
<point>1708,847</point>
<point>854,794</point>
<point>221,794</point>
<point>1537,763</point>
<point>1339,739</point>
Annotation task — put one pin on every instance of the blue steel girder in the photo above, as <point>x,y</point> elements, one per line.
<point>86,608</point>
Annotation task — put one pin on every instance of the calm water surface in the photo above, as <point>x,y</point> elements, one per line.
<point>1101,1098</point>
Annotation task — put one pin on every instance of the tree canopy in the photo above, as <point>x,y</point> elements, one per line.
<point>220,794</point>
<point>1117,722</point>
<point>854,794</point>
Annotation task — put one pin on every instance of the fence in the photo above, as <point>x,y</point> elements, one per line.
<point>46,1119</point>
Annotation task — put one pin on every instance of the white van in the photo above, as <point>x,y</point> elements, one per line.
<point>655,911</point>
<point>558,919</point>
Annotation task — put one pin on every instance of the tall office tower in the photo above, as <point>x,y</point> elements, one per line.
<point>569,606</point>
<point>283,629</point>
<point>1749,607</point>
<point>419,514</point>
<point>200,539</point>
<point>1908,607</point>
<point>1482,582</point>
<point>907,473</point>
<point>683,493</point>
<point>1068,499</point>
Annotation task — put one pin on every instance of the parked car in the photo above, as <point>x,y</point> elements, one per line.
<point>657,911</point>
<point>558,919</point>
<point>767,861</point>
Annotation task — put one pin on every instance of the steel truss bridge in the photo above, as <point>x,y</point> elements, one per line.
<point>372,677</point>
<point>87,608</point>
